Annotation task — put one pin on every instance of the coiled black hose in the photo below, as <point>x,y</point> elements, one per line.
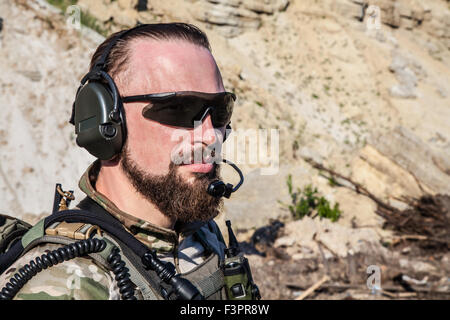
<point>126,287</point>
<point>67,252</point>
<point>183,288</point>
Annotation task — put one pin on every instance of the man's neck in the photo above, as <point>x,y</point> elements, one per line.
<point>114,184</point>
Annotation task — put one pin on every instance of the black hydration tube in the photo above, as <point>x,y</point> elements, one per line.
<point>68,252</point>
<point>181,287</point>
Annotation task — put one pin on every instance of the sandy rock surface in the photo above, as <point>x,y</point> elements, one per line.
<point>369,98</point>
<point>40,67</point>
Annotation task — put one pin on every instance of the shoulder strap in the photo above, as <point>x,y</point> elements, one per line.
<point>92,212</point>
<point>201,237</point>
<point>11,230</point>
<point>104,220</point>
<point>214,228</point>
<point>133,249</point>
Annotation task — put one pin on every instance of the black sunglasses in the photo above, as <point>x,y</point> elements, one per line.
<point>183,108</point>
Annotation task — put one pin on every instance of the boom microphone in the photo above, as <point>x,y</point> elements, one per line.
<point>219,189</point>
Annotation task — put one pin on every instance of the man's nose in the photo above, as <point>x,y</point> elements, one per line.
<point>209,135</point>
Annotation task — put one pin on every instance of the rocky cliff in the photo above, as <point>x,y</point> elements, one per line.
<point>359,86</point>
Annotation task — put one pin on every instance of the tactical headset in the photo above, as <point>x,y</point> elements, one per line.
<point>97,112</point>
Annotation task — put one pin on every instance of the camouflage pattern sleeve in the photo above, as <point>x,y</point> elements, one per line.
<point>75,279</point>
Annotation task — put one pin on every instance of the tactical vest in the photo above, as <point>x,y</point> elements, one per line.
<point>214,278</point>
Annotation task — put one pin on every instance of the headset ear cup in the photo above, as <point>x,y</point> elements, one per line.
<point>95,131</point>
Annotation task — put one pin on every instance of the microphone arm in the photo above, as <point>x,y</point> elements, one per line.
<point>241,176</point>
<point>219,189</point>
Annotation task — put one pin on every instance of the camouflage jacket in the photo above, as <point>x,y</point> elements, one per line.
<point>84,279</point>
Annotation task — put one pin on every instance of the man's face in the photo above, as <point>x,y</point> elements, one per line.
<point>166,66</point>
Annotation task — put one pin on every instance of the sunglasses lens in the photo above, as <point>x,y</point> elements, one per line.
<point>173,112</point>
<point>184,110</point>
<point>221,115</point>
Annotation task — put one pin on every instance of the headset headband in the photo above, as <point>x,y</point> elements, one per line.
<point>98,72</point>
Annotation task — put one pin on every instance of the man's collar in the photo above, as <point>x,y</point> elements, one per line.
<point>159,238</point>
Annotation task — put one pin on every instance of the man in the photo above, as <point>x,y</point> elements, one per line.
<point>163,203</point>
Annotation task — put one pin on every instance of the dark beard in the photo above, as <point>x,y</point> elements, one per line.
<point>174,197</point>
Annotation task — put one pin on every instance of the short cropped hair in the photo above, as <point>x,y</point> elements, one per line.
<point>118,57</point>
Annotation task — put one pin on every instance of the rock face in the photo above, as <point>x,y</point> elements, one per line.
<point>406,88</point>
<point>303,238</point>
<point>431,169</point>
<point>405,14</point>
<point>122,12</point>
<point>335,90</point>
<point>372,104</point>
<point>229,17</point>
<point>395,13</point>
<point>392,166</point>
<point>233,17</point>
<point>41,69</point>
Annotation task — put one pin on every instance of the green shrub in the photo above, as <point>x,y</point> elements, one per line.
<point>62,4</point>
<point>91,22</point>
<point>308,202</point>
<point>86,19</point>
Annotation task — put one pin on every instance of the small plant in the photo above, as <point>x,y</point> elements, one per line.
<point>295,147</point>
<point>91,22</point>
<point>332,182</point>
<point>308,202</point>
<point>86,19</point>
<point>62,4</point>
<point>346,121</point>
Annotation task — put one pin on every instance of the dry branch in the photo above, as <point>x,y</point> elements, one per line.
<point>313,288</point>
